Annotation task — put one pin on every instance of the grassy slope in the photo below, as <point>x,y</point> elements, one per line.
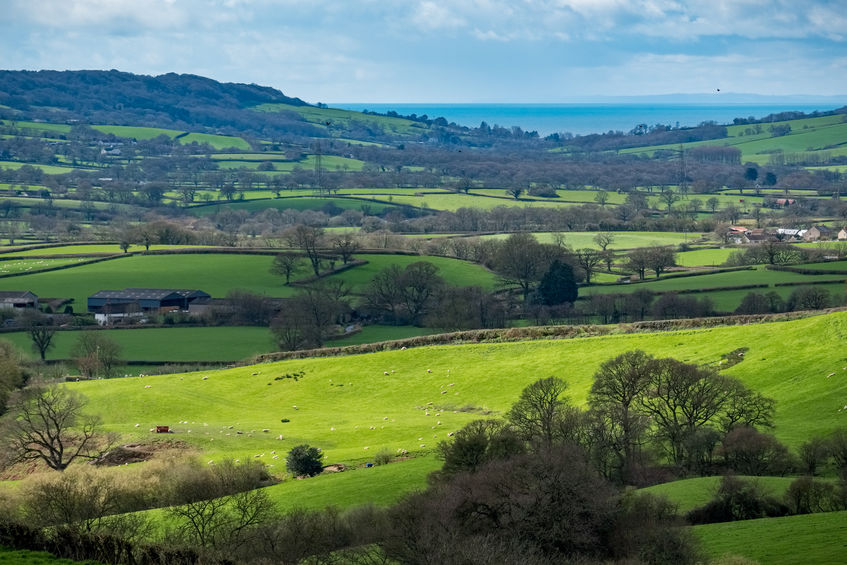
<point>815,538</point>
<point>691,493</point>
<point>791,365</point>
<point>87,249</point>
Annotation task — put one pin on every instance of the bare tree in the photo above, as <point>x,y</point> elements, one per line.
<point>96,354</point>
<point>41,333</point>
<point>285,264</point>
<point>604,239</point>
<point>345,244</point>
<point>588,259</point>
<point>49,424</point>
<point>309,239</point>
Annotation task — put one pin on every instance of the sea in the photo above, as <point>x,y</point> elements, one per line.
<point>587,118</point>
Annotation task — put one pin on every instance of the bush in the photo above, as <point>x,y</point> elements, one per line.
<point>383,457</point>
<point>304,460</point>
<point>751,452</point>
<point>737,499</point>
<point>805,495</point>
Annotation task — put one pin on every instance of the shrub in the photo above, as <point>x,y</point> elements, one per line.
<point>737,499</point>
<point>751,452</point>
<point>304,460</point>
<point>382,458</point>
<point>805,495</point>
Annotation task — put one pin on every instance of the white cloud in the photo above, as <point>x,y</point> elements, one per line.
<point>434,16</point>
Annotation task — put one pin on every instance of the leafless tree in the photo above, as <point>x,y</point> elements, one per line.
<point>50,424</point>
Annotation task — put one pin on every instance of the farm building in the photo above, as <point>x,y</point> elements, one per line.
<point>10,299</point>
<point>109,305</point>
<point>842,235</point>
<point>816,233</point>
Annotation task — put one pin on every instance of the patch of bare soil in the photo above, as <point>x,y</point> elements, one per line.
<point>138,452</point>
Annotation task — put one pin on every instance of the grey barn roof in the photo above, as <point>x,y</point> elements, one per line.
<point>148,294</point>
<point>12,294</point>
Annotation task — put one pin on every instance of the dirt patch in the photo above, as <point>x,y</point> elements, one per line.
<point>138,452</point>
<point>335,468</point>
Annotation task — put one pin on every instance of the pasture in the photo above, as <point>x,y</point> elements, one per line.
<point>454,271</point>
<point>354,406</point>
<point>622,239</point>
<point>177,344</point>
<point>294,203</point>
<point>34,265</point>
<point>214,273</point>
<point>688,494</point>
<point>216,141</point>
<point>811,538</point>
<point>137,132</point>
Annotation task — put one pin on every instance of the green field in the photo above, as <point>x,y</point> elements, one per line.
<point>320,116</point>
<point>215,274</point>
<point>25,265</point>
<point>455,271</point>
<point>47,169</point>
<point>86,249</point>
<point>688,494</point>
<point>216,141</point>
<point>135,132</point>
<point>373,334</point>
<point>622,239</point>
<point>175,344</point>
<point>296,203</point>
<point>353,394</point>
<point>813,538</point>
<point>703,257</point>
<point>825,134</point>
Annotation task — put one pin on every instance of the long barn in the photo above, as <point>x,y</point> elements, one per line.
<point>107,305</point>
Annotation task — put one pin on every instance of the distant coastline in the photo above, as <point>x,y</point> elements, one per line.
<point>583,118</point>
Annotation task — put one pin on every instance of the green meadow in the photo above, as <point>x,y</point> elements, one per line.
<point>320,117</point>
<point>27,265</point>
<point>86,249</point>
<point>622,240</point>
<point>214,273</point>
<point>178,345</point>
<point>454,271</point>
<point>811,538</point>
<point>353,406</point>
<point>216,141</point>
<point>688,494</point>
<point>137,132</point>
<point>293,203</point>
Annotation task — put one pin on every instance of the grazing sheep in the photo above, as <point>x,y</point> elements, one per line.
<point>429,370</point>
<point>449,434</point>
<point>136,425</point>
<point>830,375</point>
<point>206,378</point>
<point>146,386</point>
<point>266,430</point>
<point>385,373</point>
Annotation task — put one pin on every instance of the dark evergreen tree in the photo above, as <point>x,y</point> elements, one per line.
<point>558,285</point>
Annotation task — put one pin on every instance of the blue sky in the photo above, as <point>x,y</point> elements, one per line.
<point>442,51</point>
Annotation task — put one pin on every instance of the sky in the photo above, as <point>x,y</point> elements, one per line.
<point>446,51</point>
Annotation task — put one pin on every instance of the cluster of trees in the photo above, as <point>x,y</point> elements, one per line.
<point>801,298</point>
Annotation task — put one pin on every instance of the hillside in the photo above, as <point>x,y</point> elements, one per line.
<point>355,406</point>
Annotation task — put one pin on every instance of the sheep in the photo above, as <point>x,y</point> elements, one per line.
<point>206,378</point>
<point>429,370</point>
<point>830,375</point>
<point>385,373</point>
<point>266,430</point>
<point>136,425</point>
<point>146,386</point>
